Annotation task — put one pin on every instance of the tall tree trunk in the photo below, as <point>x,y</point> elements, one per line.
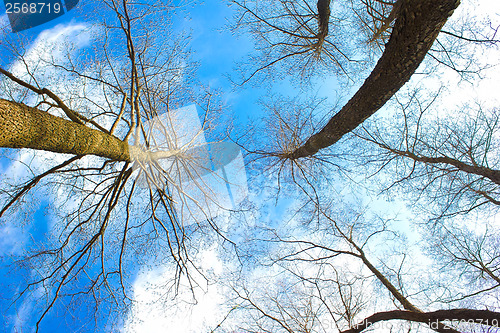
<point>323,18</point>
<point>24,127</point>
<point>417,26</point>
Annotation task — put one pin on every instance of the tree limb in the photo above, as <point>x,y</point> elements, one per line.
<point>485,317</point>
<point>417,26</point>
<point>22,126</point>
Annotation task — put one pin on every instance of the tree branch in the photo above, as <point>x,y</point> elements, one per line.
<point>417,26</point>
<point>24,127</point>
<point>484,317</point>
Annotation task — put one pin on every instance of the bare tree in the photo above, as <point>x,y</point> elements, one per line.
<point>284,30</point>
<point>294,37</point>
<point>449,162</point>
<point>412,36</point>
<point>458,158</point>
<point>117,199</point>
<point>322,271</point>
<point>108,203</point>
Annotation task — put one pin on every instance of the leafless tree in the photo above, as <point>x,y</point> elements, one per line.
<point>457,158</point>
<point>116,200</point>
<point>449,162</point>
<point>295,37</point>
<point>325,280</point>
<point>412,35</point>
<point>113,212</point>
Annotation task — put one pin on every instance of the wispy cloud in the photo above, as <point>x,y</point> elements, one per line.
<point>189,311</point>
<point>52,45</point>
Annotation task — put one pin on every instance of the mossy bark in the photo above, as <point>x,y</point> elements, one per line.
<point>416,27</point>
<point>22,126</point>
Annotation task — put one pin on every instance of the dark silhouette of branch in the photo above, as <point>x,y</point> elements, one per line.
<point>417,26</point>
<point>485,317</point>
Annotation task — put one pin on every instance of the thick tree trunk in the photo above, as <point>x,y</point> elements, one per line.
<point>416,27</point>
<point>24,127</point>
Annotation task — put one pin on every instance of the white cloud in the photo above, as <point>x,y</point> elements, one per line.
<point>12,240</point>
<point>157,310</point>
<point>53,44</point>
<point>50,46</point>
<point>4,21</point>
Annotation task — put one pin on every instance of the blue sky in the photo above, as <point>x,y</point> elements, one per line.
<point>217,50</point>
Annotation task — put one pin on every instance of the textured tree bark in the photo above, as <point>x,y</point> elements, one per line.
<point>24,127</point>
<point>416,27</point>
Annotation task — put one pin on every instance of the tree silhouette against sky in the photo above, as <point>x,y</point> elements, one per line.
<point>119,200</point>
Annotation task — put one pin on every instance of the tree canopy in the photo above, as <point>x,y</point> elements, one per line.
<point>363,193</point>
